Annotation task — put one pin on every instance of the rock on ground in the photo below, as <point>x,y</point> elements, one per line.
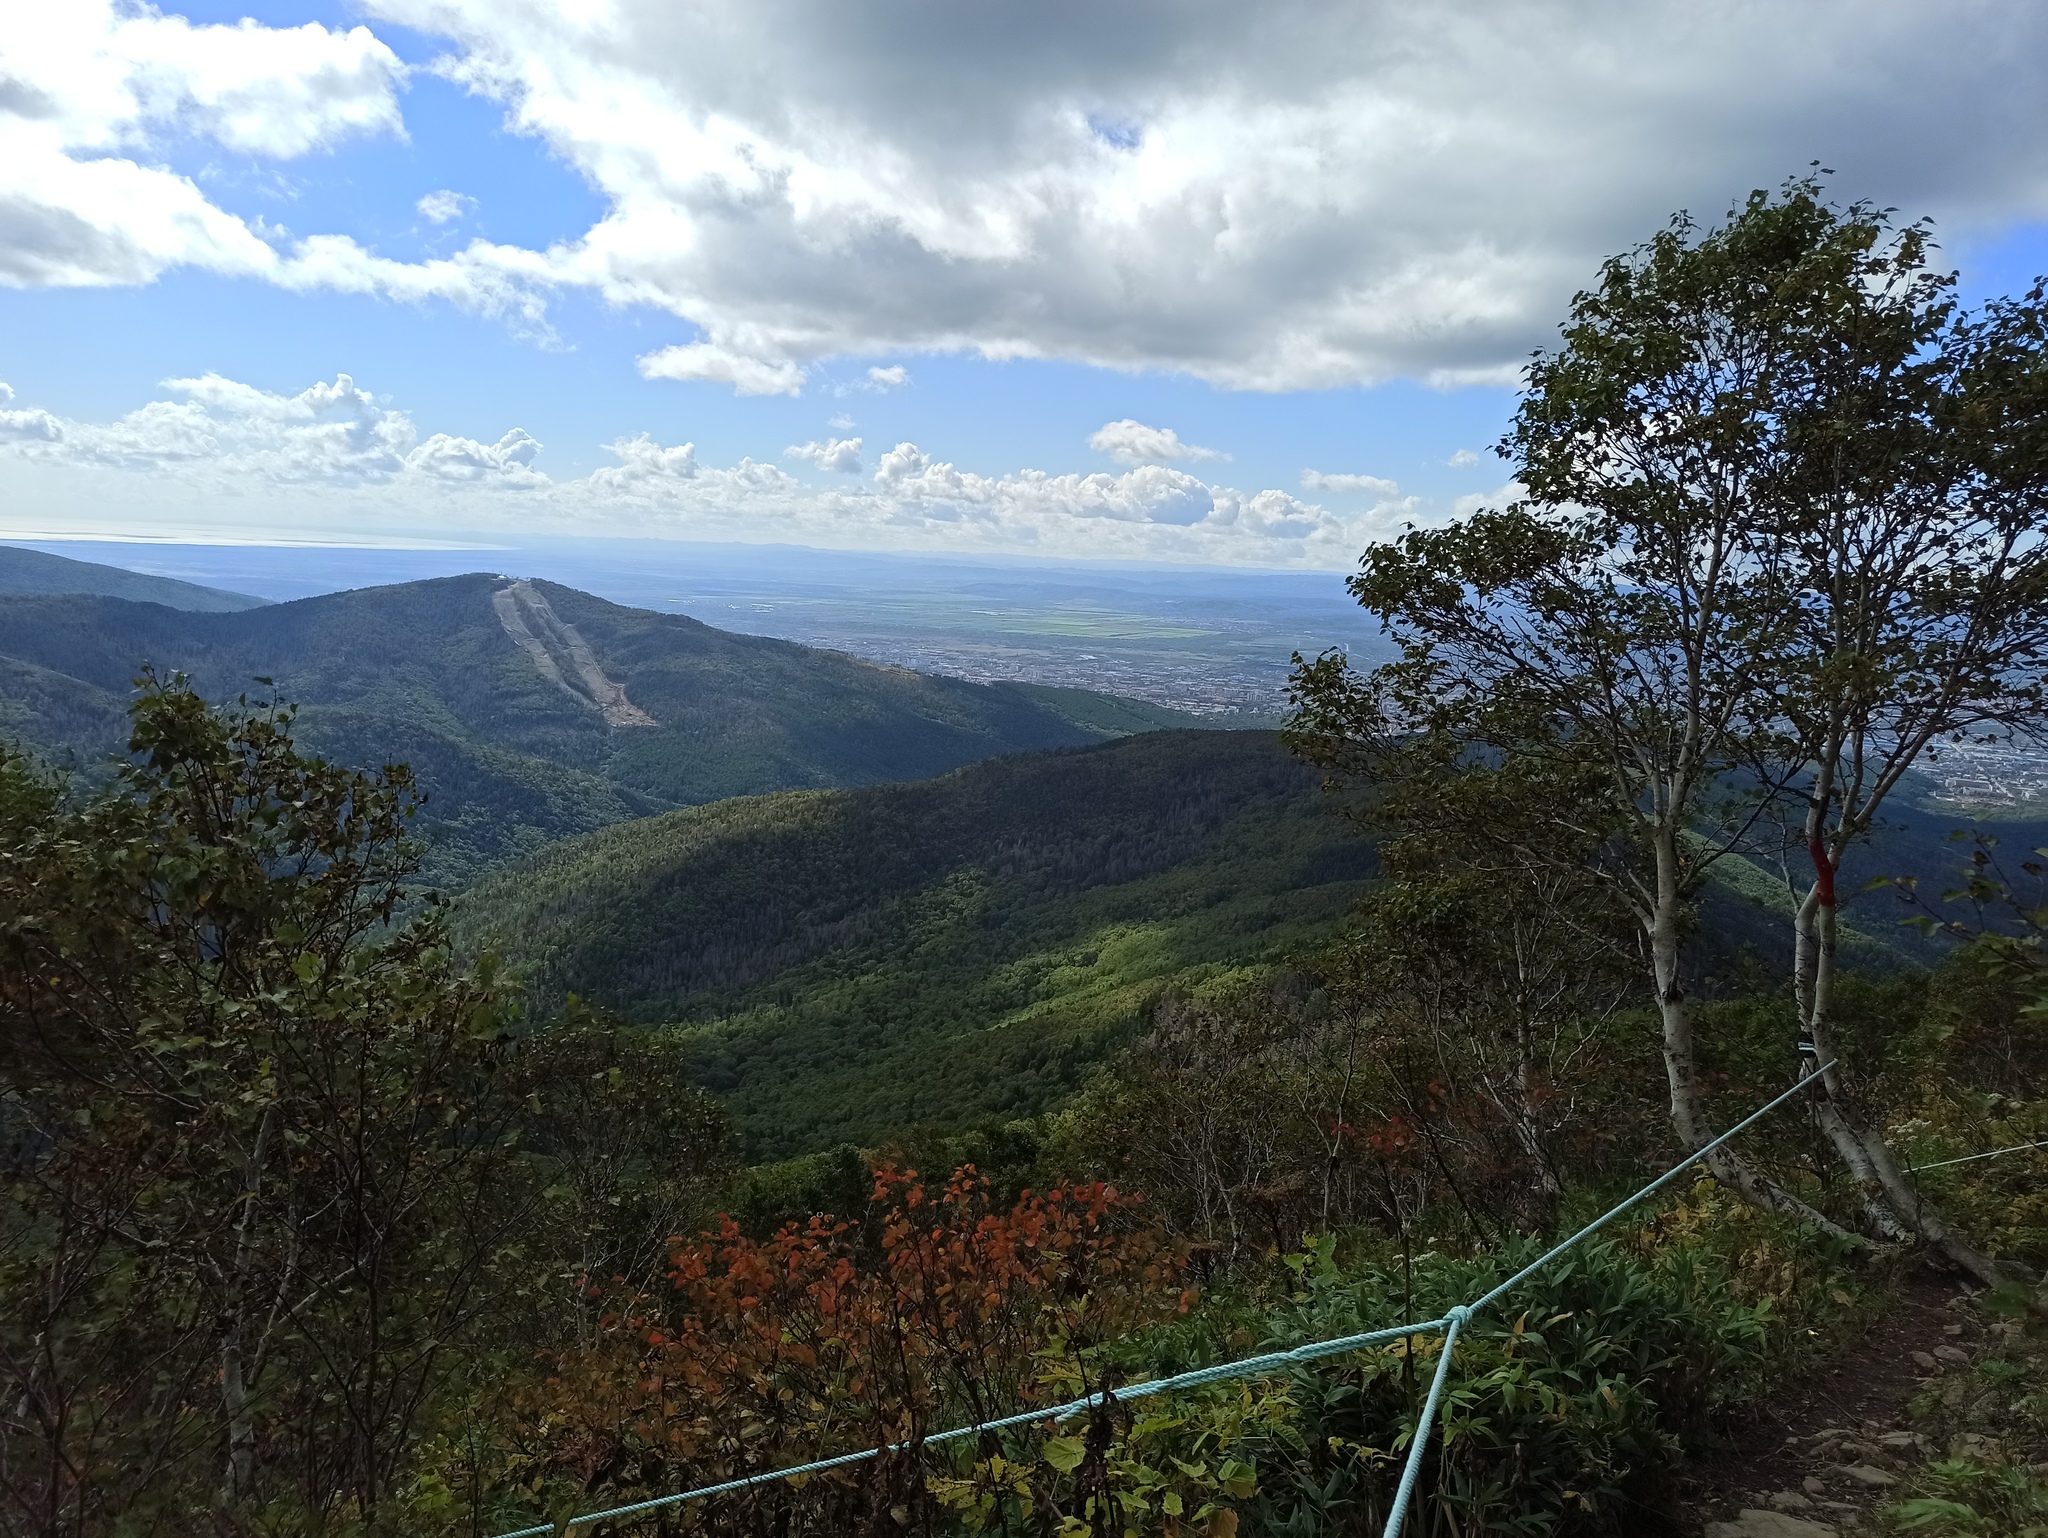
<point>1769,1524</point>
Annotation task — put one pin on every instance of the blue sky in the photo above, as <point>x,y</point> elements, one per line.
<point>1277,250</point>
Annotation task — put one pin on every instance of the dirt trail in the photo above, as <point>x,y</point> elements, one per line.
<point>563,657</point>
<point>1830,1449</point>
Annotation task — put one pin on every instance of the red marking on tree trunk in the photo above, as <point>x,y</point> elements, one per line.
<point>1823,873</point>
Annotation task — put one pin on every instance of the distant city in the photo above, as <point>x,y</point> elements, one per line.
<point>1232,665</point>
<point>1989,774</point>
<point>1257,693</point>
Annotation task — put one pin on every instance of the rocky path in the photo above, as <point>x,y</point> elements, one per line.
<point>1819,1460</point>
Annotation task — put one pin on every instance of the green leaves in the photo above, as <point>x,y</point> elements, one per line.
<point>1065,1453</point>
<point>278,1152</point>
<point>1238,1480</point>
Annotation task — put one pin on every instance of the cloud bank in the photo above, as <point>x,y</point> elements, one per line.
<point>1276,197</point>
<point>219,435</point>
<point>337,452</point>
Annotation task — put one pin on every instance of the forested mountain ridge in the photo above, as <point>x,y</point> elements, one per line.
<point>530,711</point>
<point>853,961</point>
<point>28,572</point>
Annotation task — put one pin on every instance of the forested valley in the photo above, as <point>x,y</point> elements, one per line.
<point>816,1123</point>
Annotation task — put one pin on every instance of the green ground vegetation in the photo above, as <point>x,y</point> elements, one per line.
<point>839,965</point>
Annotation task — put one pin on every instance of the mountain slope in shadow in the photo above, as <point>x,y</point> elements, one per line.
<point>845,963</point>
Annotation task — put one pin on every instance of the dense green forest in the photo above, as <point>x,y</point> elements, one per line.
<point>332,1209</point>
<point>846,963</point>
<point>512,742</point>
<point>838,966</point>
<point>311,1229</point>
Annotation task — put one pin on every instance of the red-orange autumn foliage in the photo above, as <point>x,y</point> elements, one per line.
<point>828,1338</point>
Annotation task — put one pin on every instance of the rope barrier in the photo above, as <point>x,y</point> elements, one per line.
<point>1397,1514</point>
<point>1942,1164</point>
<point>1451,1324</point>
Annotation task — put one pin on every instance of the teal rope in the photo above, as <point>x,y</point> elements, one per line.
<point>1397,1514</point>
<point>1942,1164</point>
<point>1656,1185</point>
<point>1451,1324</point>
<point>1249,1367</point>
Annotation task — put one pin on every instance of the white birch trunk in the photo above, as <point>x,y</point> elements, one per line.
<point>1681,1066</point>
<point>1895,1207</point>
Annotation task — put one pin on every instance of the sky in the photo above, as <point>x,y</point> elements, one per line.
<point>1188,282</point>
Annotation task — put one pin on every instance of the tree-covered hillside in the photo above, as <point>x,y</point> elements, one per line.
<point>28,572</point>
<point>851,962</point>
<point>530,711</point>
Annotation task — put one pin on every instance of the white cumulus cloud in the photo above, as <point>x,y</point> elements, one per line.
<point>1133,443</point>
<point>25,426</point>
<point>1372,485</point>
<point>722,365</point>
<point>221,433</point>
<point>444,206</point>
<point>1463,459</point>
<point>29,427</point>
<point>644,467</point>
<point>1148,494</point>
<point>89,88</point>
<point>508,462</point>
<point>841,454</point>
<point>904,462</point>
<point>893,377</point>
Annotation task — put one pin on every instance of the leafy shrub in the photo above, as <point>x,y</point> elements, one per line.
<point>758,1355</point>
<point>1566,1406</point>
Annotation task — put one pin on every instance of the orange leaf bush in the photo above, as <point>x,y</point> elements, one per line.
<point>830,1337</point>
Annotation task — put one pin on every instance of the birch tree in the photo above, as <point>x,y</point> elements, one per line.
<point>1623,627</point>
<point>1782,539</point>
<point>1914,522</point>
